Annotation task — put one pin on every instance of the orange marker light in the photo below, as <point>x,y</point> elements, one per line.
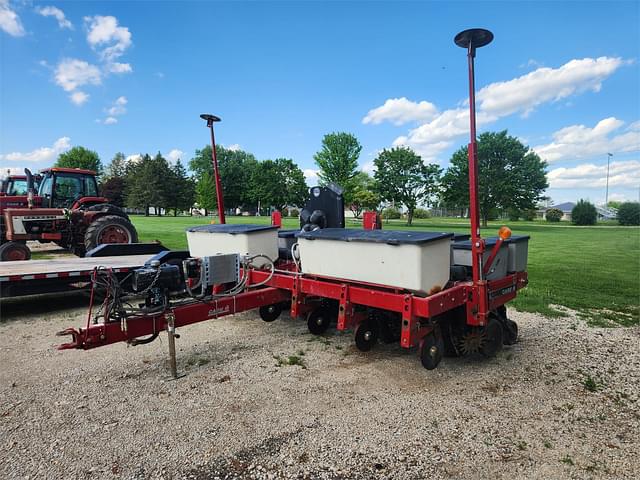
<point>504,233</point>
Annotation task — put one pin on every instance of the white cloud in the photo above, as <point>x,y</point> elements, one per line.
<point>311,176</point>
<point>519,95</point>
<point>109,39</point>
<point>400,111</point>
<point>620,197</point>
<point>118,107</point>
<point>79,98</point>
<point>116,67</point>
<point>10,21</point>
<point>579,141</point>
<point>545,84</point>
<point>174,155</point>
<point>72,73</point>
<point>234,147</point>
<point>588,175</point>
<point>136,157</point>
<point>40,155</point>
<point>57,14</point>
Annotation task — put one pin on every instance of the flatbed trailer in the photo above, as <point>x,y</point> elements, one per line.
<point>32,277</point>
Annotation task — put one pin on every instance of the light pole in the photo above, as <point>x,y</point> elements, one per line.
<point>211,119</point>
<point>470,40</point>
<point>606,195</point>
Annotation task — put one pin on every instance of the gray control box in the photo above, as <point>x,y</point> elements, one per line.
<point>217,269</point>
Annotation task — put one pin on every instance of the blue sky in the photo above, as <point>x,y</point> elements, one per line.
<point>133,77</point>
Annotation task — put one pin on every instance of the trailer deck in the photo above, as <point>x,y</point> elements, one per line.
<point>71,273</point>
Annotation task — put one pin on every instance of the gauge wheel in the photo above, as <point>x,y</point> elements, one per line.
<point>319,320</point>
<point>269,313</point>
<point>431,350</point>
<point>366,335</point>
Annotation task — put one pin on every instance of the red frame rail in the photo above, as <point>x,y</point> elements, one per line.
<point>305,293</point>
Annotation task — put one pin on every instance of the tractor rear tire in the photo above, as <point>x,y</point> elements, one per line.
<point>109,229</point>
<point>14,251</point>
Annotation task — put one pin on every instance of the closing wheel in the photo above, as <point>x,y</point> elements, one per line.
<point>14,251</point>
<point>431,350</point>
<point>509,327</point>
<point>269,313</point>
<point>319,320</point>
<point>366,334</point>
<point>492,338</point>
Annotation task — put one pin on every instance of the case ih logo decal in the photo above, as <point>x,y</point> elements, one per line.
<point>502,291</point>
<point>214,312</point>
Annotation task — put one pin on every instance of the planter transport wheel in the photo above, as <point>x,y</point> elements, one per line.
<point>492,338</point>
<point>366,334</point>
<point>13,251</point>
<point>319,320</point>
<point>431,350</point>
<point>269,313</point>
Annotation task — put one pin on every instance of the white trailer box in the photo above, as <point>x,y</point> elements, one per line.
<point>417,261</point>
<point>462,256</point>
<point>518,253</point>
<point>207,240</point>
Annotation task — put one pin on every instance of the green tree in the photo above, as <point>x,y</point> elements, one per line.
<point>181,191</point>
<point>403,178</point>
<point>147,183</point>
<point>117,167</point>
<point>510,176</point>
<point>277,183</point>
<point>114,189</point>
<point>363,195</point>
<point>206,192</point>
<point>629,213</point>
<point>338,161</point>
<point>80,157</point>
<point>235,166</point>
<point>584,213</point>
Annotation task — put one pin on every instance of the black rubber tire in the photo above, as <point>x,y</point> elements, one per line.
<point>319,320</point>
<point>366,335</point>
<point>431,350</point>
<point>14,251</point>
<point>493,338</point>
<point>94,230</point>
<point>510,332</point>
<point>269,313</point>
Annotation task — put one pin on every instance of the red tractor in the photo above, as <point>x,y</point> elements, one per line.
<point>67,211</point>
<point>16,185</point>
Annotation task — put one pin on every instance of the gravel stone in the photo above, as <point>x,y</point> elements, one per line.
<point>113,412</point>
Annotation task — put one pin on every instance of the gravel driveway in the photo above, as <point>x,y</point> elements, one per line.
<point>265,400</point>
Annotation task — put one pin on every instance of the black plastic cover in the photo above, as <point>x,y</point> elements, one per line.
<point>232,229</point>
<point>390,237</point>
<point>489,243</point>
<point>287,233</point>
<point>518,238</point>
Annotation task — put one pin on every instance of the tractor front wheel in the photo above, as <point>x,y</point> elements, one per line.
<point>12,251</point>
<point>109,229</point>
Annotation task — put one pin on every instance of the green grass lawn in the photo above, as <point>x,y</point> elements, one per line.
<point>595,270</point>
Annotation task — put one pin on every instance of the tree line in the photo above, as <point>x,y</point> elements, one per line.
<point>512,178</point>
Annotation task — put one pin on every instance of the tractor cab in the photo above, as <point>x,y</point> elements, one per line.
<point>16,185</point>
<point>66,187</point>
